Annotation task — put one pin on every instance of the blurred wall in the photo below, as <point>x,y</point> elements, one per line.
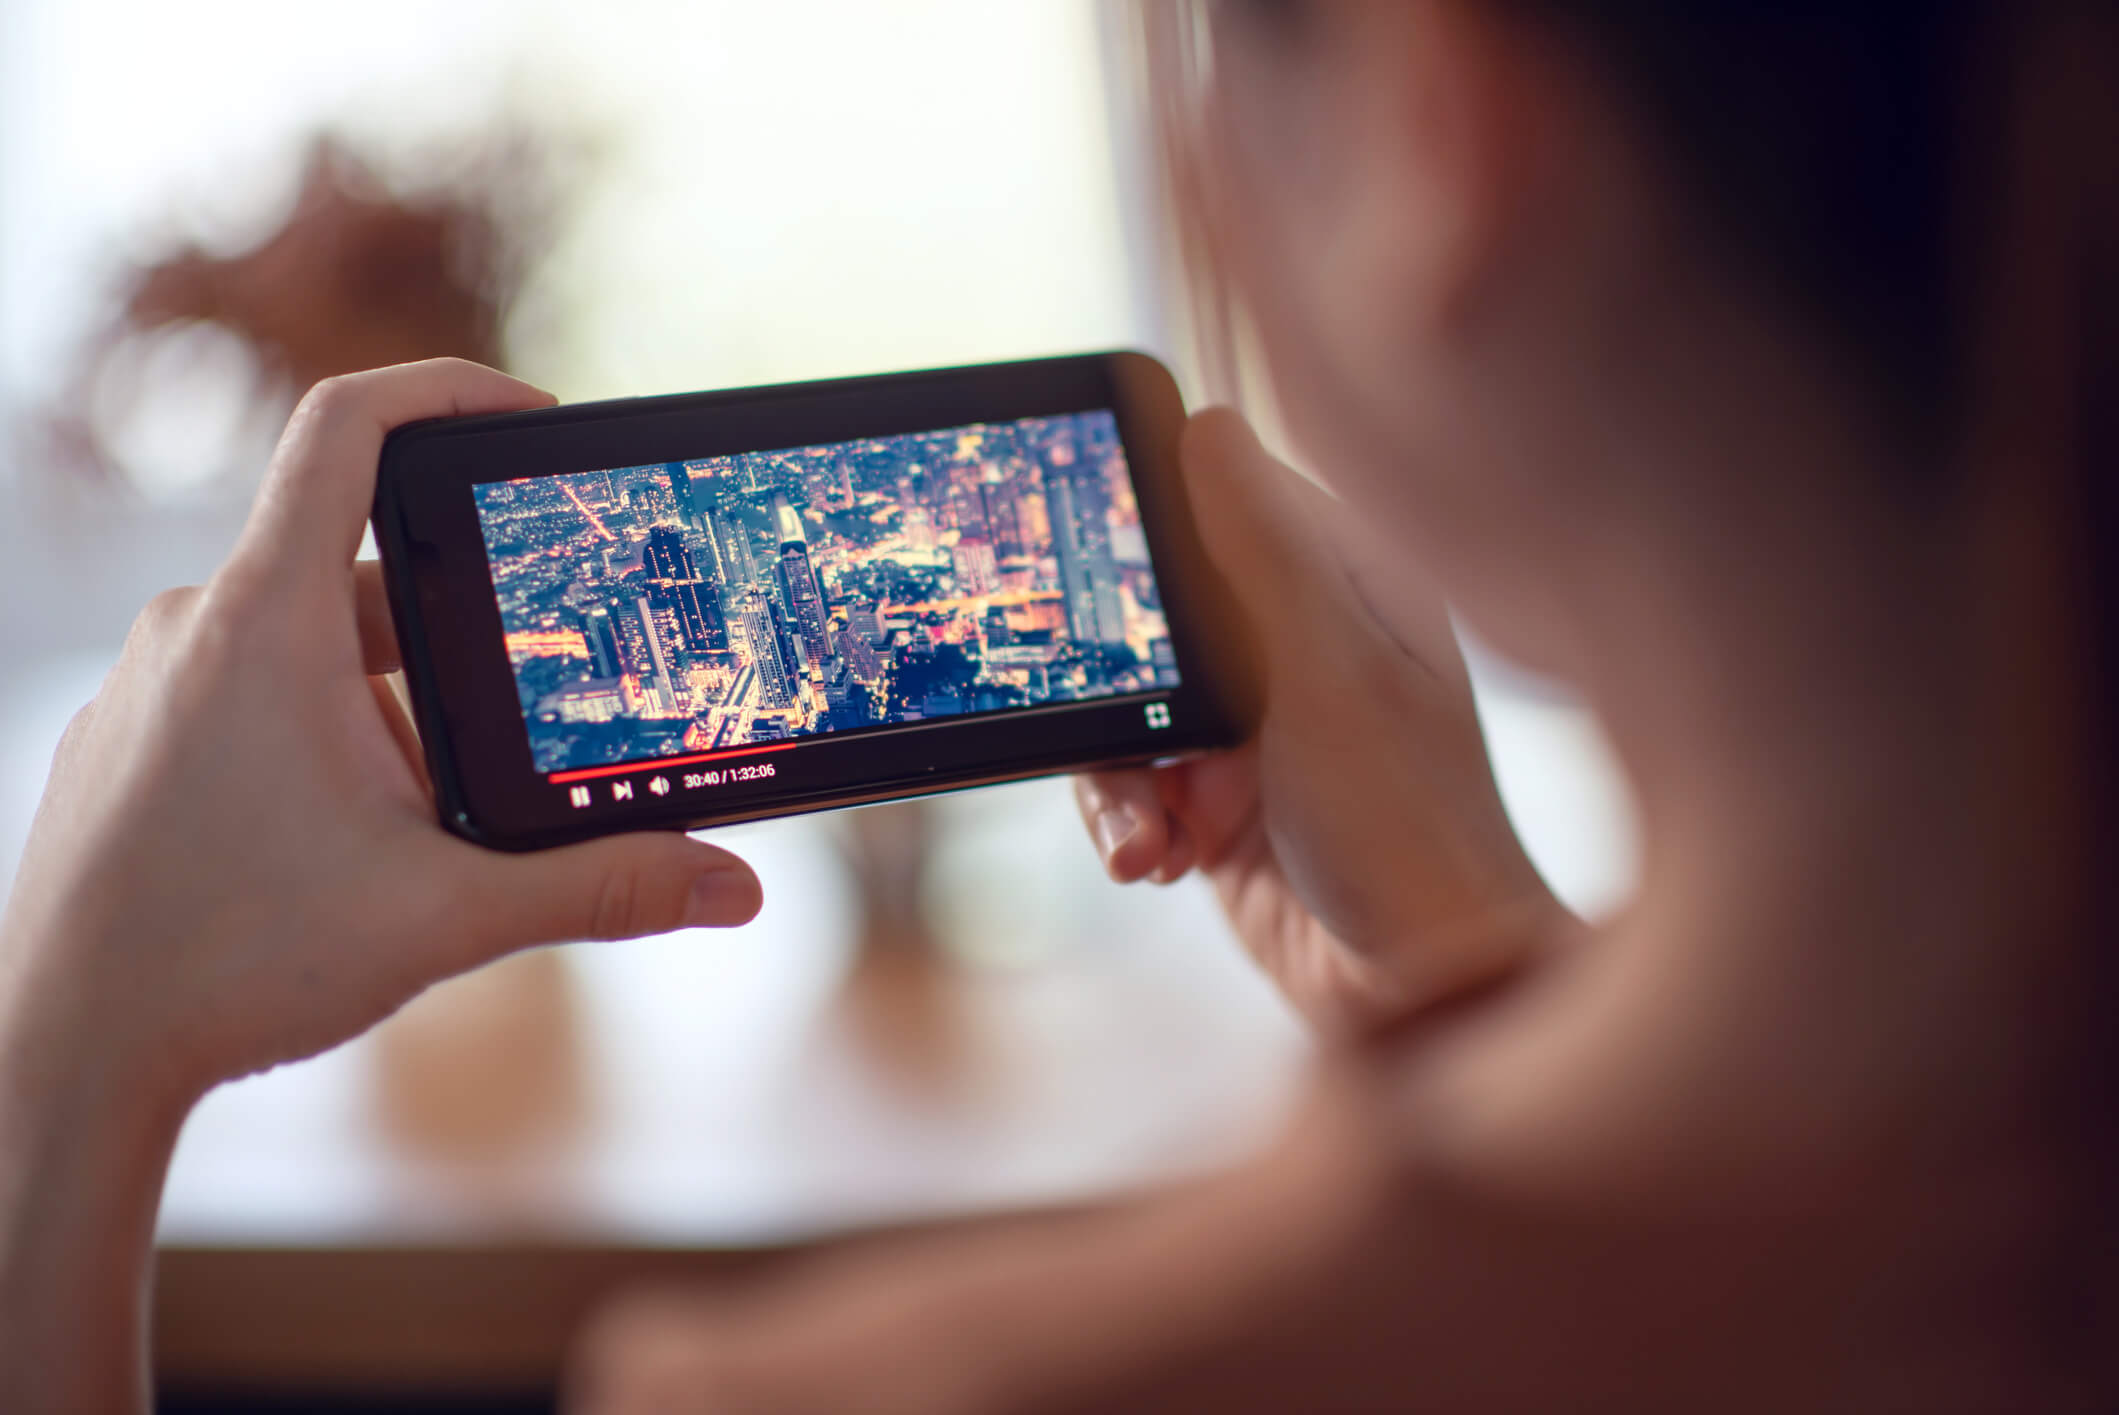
<point>753,192</point>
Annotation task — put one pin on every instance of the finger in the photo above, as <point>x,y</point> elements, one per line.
<point>371,609</point>
<point>401,731</point>
<point>1180,857</point>
<point>1124,814</point>
<point>314,505</point>
<point>1308,558</point>
<point>1254,512</point>
<point>629,886</point>
<point>1172,790</point>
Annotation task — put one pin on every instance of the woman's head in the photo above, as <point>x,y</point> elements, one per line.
<point>1641,282</point>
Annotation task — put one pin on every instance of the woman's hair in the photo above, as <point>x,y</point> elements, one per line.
<point>1824,145</point>
<point>1860,159</point>
<point>1933,188</point>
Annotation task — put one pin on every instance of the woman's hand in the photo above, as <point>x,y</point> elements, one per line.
<point>237,864</point>
<point>1358,841</point>
<point>1364,857</point>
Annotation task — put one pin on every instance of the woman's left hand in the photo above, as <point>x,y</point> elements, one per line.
<point>237,864</point>
<point>237,861</point>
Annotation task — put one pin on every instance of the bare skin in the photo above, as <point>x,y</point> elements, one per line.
<point>1813,1125</point>
<point>237,865</point>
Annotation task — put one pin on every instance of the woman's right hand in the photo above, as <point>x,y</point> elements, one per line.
<point>1362,852</point>
<point>1357,841</point>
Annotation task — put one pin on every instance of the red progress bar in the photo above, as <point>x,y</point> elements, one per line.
<point>565,778</point>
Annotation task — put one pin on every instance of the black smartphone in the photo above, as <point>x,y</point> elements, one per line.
<point>688,611</point>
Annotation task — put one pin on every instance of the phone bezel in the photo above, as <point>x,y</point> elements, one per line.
<point>462,686</point>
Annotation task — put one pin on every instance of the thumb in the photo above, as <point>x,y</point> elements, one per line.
<point>1301,561</point>
<point>1257,517</point>
<point>628,886</point>
<point>1256,520</point>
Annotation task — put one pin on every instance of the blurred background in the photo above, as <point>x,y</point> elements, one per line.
<point>945,1014</point>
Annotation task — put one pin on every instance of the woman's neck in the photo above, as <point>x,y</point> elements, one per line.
<point>1859,742</point>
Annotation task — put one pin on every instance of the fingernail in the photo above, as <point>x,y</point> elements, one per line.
<point>1115,825</point>
<point>719,897</point>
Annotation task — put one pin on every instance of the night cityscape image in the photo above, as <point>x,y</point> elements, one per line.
<point>689,607</point>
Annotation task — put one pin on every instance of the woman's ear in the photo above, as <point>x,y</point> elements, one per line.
<point>1463,112</point>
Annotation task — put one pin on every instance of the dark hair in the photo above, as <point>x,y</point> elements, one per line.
<point>1824,142</point>
<point>1864,158</point>
<point>1851,153</point>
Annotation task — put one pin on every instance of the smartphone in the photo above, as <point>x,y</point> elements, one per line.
<point>688,611</point>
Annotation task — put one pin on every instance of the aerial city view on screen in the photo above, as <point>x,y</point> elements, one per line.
<point>689,607</point>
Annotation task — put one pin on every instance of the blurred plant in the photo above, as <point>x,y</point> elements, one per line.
<point>366,269</point>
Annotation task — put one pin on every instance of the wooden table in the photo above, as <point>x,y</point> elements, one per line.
<point>432,1324</point>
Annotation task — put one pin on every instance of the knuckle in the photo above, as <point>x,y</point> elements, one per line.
<point>170,607</point>
<point>238,607</point>
<point>332,396</point>
<point>329,404</point>
<point>161,621</point>
<point>77,728</point>
<point>219,639</point>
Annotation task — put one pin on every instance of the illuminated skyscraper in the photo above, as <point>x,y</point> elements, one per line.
<point>1075,593</point>
<point>1093,531</point>
<point>862,660</point>
<point>695,491</point>
<point>671,570</point>
<point>967,508</point>
<point>601,636</point>
<point>785,641</point>
<point>863,624</point>
<point>670,631</point>
<point>998,634</point>
<point>1088,574</point>
<point>1033,522</point>
<point>737,568</point>
<point>1001,516</point>
<point>708,556</point>
<point>919,529</point>
<point>846,699</point>
<point>1103,591</point>
<point>654,504</point>
<point>787,523</point>
<point>977,572</point>
<point>798,583</point>
<point>662,683</point>
<point>776,679</point>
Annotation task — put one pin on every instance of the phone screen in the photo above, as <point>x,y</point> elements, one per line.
<point>705,614</point>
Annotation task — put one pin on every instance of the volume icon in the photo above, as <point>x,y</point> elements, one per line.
<point>660,786</point>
